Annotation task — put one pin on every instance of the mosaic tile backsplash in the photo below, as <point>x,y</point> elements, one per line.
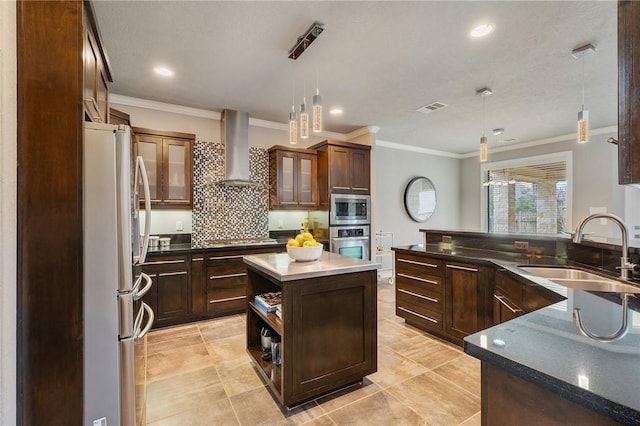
<point>221,212</point>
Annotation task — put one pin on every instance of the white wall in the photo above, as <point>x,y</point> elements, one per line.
<point>595,181</point>
<point>394,169</point>
<point>8,213</point>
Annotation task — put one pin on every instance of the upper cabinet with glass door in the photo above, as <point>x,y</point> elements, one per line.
<point>292,178</point>
<point>168,157</point>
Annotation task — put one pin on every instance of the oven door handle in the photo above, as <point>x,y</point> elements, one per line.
<point>349,238</point>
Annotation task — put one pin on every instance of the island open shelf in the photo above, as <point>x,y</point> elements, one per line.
<point>328,328</point>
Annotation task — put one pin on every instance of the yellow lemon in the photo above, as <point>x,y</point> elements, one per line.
<point>300,239</point>
<point>293,242</point>
<point>309,243</point>
<point>307,236</point>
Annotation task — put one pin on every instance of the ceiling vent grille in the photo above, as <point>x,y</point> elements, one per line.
<point>432,107</point>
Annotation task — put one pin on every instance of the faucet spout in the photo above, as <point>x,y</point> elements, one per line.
<point>624,263</point>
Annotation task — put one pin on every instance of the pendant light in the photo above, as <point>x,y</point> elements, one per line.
<point>484,148</point>
<point>583,114</point>
<point>304,115</point>
<point>317,107</point>
<point>293,120</point>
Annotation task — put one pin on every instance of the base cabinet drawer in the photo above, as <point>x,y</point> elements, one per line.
<point>431,321</point>
<point>217,306</point>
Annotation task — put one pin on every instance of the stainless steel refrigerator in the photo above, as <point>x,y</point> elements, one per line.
<point>116,320</point>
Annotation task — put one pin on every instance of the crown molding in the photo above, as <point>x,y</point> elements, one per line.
<point>555,139</point>
<point>403,147</point>
<point>203,113</point>
<point>161,106</point>
<point>367,130</point>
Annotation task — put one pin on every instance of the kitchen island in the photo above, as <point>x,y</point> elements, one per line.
<point>328,328</point>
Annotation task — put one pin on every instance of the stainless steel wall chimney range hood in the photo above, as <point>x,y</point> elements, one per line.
<point>234,134</point>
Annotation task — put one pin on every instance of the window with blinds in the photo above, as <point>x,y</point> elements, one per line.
<point>529,199</point>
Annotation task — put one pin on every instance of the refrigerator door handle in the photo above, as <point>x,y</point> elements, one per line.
<point>138,292</point>
<point>139,334</point>
<point>147,206</point>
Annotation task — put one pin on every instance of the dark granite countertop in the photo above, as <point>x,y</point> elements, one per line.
<point>545,347</point>
<point>176,249</point>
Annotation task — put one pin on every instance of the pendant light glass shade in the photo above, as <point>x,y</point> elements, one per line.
<point>317,112</point>
<point>484,149</point>
<point>304,120</point>
<point>293,127</point>
<point>583,126</point>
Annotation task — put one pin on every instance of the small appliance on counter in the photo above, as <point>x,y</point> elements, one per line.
<point>153,240</point>
<point>165,242</point>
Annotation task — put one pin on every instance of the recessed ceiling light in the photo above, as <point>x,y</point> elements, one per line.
<point>481,30</point>
<point>335,111</point>
<point>163,71</point>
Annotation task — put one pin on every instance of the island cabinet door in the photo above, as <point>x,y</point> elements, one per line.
<point>467,301</point>
<point>334,337</point>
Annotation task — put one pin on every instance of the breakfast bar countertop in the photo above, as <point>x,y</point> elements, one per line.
<point>281,267</point>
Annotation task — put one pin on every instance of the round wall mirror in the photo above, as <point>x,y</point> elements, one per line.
<point>420,199</point>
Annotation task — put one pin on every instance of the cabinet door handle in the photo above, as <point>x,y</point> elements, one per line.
<point>411,277</point>
<point>462,268</point>
<point>228,299</point>
<point>226,257</point>
<point>163,262</point>
<point>430,299</point>
<point>356,188</point>
<point>340,187</point>
<point>218,277</point>
<point>418,315</point>
<point>429,265</point>
<point>502,300</point>
<point>197,259</point>
<point>168,274</point>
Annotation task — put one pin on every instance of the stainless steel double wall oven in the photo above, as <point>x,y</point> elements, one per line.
<point>349,223</point>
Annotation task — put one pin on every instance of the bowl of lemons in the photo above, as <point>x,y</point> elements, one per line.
<point>304,248</point>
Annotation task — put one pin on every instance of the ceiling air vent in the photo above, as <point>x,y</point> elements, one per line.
<point>434,106</point>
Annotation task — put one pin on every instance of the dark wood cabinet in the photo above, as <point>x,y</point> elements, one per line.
<point>97,74</point>
<point>293,178</point>
<point>168,157</point>
<point>119,117</point>
<point>343,167</point>
<point>628,92</point>
<point>198,290</point>
<point>420,291</point>
<point>328,333</point>
<point>512,298</point>
<point>466,298</point>
<point>169,297</point>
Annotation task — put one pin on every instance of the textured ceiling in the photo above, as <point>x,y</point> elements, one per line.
<point>379,61</point>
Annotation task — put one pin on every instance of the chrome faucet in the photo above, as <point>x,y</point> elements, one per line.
<point>625,265</point>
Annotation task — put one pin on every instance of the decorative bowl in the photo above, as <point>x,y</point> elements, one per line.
<point>304,254</point>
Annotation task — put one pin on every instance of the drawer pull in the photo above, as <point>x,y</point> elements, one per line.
<point>197,259</point>
<point>163,262</point>
<point>430,299</point>
<point>168,274</point>
<point>418,315</point>
<point>219,277</point>
<point>228,299</point>
<point>430,265</point>
<point>502,300</point>
<point>240,256</point>
<point>462,268</point>
<point>411,277</point>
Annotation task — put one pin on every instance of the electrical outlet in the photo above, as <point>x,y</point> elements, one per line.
<point>521,245</point>
<point>100,422</point>
<point>179,225</point>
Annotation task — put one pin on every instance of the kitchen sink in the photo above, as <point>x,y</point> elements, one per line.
<point>579,279</point>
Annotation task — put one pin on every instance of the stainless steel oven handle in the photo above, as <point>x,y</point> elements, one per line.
<point>350,238</point>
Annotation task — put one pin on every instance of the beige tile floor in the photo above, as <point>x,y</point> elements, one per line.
<point>200,374</point>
